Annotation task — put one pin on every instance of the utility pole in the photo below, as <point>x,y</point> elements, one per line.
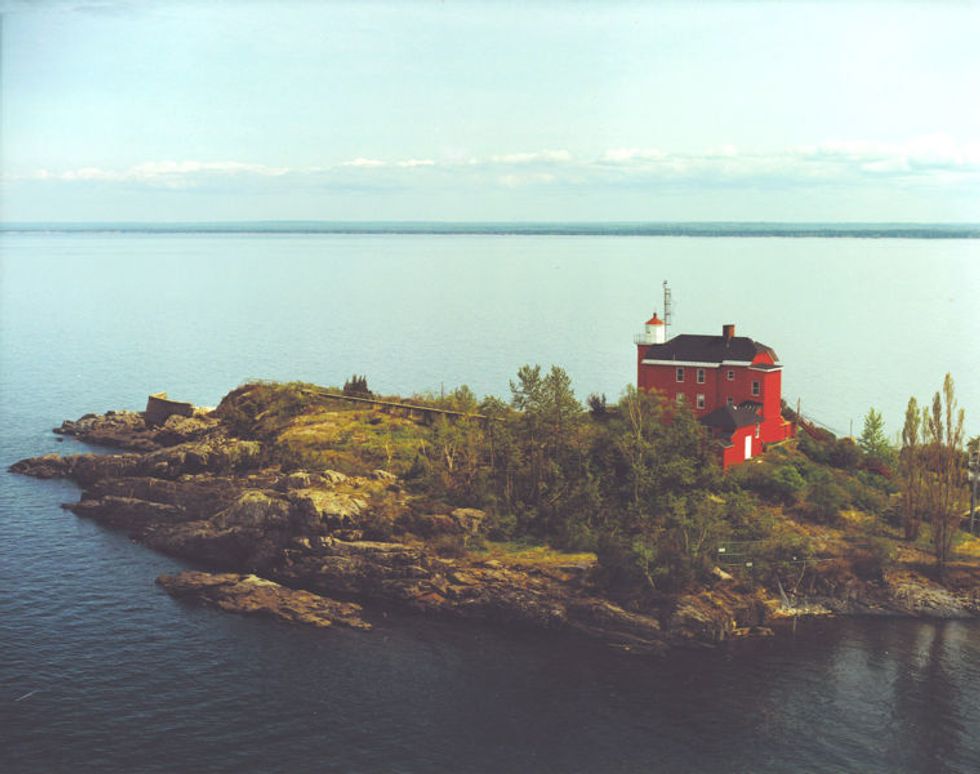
<point>973,468</point>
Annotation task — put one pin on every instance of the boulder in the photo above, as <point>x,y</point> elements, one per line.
<point>322,510</point>
<point>254,510</point>
<point>179,429</point>
<point>469,519</point>
<point>430,524</point>
<point>721,575</point>
<point>299,479</point>
<point>334,476</point>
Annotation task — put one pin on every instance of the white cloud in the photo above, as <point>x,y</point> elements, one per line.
<point>545,156</point>
<point>631,155</point>
<point>173,174</point>
<point>363,163</point>
<point>934,160</point>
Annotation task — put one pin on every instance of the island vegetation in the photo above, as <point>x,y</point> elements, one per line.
<point>610,518</point>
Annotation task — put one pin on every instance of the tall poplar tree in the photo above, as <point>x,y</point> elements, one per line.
<point>945,492</point>
<point>910,465</point>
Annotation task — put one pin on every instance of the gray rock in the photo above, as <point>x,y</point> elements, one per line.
<point>469,519</point>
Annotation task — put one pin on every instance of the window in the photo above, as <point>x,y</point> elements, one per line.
<point>731,375</point>
<point>700,376</point>
<point>757,431</point>
<point>731,401</point>
<point>700,400</point>
<point>680,374</point>
<point>679,398</point>
<point>755,386</point>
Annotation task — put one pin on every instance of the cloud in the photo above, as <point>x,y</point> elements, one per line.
<point>537,157</point>
<point>168,174</point>
<point>933,160</point>
<point>363,163</point>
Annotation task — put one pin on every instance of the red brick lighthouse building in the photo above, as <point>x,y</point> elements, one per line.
<point>732,383</point>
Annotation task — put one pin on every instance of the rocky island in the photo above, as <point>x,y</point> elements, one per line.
<point>319,508</point>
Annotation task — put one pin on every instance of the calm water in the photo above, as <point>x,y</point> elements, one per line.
<point>99,670</point>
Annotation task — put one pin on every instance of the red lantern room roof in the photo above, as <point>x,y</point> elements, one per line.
<point>655,320</point>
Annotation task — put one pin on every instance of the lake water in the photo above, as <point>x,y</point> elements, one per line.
<point>100,670</point>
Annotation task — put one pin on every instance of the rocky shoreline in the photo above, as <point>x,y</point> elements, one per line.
<point>319,547</point>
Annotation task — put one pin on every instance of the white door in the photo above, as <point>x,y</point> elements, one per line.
<point>748,447</point>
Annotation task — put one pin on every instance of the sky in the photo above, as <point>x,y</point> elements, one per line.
<point>492,111</point>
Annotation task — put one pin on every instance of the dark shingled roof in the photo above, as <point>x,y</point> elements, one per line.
<point>730,418</point>
<point>707,349</point>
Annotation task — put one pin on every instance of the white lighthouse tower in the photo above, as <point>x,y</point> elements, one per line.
<point>654,332</point>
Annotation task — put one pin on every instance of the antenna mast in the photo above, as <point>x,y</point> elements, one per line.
<point>668,307</point>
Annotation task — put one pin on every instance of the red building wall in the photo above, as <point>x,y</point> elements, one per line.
<point>717,388</point>
<point>735,454</point>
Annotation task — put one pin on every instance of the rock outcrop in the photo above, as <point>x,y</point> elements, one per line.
<point>129,430</point>
<point>252,595</point>
<point>194,490</point>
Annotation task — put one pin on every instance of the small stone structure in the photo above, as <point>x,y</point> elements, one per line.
<point>159,407</point>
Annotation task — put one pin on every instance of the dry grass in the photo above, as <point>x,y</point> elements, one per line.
<point>968,547</point>
<point>372,436</point>
<point>523,556</point>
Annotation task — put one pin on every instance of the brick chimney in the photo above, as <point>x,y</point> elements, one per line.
<point>728,332</point>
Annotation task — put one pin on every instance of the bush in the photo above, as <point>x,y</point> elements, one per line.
<point>817,450</point>
<point>597,405</point>
<point>867,498</point>
<point>825,498</point>
<point>845,454</point>
<point>357,385</point>
<point>626,564</point>
<point>869,563</point>
<point>500,526</point>
<point>449,546</point>
<point>781,554</point>
<point>747,519</point>
<point>778,483</point>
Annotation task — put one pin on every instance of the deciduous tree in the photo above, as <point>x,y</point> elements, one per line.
<point>945,491</point>
<point>910,465</point>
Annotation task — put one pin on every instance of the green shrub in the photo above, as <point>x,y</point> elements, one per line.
<point>817,450</point>
<point>777,483</point>
<point>867,498</point>
<point>824,498</point>
<point>449,546</point>
<point>869,563</point>
<point>781,555</point>
<point>500,526</point>
<point>357,385</point>
<point>845,454</point>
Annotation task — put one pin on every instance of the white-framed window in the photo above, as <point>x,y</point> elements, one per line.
<point>700,374</point>
<point>700,400</point>
<point>679,398</point>
<point>755,387</point>
<point>730,401</point>
<point>731,374</point>
<point>680,374</point>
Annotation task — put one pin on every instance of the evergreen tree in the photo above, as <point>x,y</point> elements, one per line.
<point>873,441</point>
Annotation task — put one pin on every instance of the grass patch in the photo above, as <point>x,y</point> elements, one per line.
<point>516,554</point>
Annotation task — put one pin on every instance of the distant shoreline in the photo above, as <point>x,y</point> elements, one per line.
<point>438,228</point>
